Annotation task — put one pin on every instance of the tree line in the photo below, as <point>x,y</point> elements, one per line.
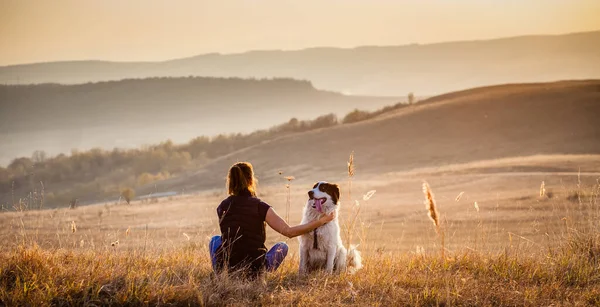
<point>100,173</point>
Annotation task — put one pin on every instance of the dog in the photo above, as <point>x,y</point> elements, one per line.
<point>323,248</point>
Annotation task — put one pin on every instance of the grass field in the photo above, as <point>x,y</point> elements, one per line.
<point>522,244</point>
<point>564,275</point>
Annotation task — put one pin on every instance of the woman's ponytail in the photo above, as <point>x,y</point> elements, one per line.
<point>240,178</point>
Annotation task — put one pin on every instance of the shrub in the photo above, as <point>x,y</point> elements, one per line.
<point>128,194</point>
<point>356,116</point>
<point>411,98</point>
<point>146,178</point>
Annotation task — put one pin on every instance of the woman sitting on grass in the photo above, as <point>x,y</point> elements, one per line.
<point>242,217</point>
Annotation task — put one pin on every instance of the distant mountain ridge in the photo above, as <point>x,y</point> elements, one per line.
<point>368,70</point>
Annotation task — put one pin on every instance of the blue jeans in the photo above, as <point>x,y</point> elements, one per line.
<point>274,256</point>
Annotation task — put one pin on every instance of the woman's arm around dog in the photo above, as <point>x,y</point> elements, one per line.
<point>279,225</point>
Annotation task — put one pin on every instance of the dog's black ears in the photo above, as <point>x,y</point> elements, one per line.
<point>333,190</point>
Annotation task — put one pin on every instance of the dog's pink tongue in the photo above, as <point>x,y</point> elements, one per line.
<point>318,205</point>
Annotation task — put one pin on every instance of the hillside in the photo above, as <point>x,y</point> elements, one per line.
<point>489,123</point>
<point>482,130</point>
<point>130,113</point>
<point>367,70</point>
<point>490,146</point>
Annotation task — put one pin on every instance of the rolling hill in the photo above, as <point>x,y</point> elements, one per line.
<point>498,122</point>
<point>367,70</point>
<point>538,128</point>
<point>130,113</point>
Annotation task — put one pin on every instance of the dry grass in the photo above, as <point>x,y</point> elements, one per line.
<point>434,215</point>
<point>432,211</point>
<point>288,198</point>
<point>567,275</point>
<point>520,249</point>
<point>350,225</point>
<point>523,273</point>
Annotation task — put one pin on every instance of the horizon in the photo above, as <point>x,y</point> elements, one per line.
<point>113,31</point>
<point>308,48</point>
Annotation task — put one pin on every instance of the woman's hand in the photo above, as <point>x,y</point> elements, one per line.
<point>327,217</point>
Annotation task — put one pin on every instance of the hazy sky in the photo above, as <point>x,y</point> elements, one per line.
<point>150,30</point>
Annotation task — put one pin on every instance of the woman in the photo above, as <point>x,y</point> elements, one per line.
<point>242,218</point>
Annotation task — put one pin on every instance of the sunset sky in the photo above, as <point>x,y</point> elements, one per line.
<point>154,30</point>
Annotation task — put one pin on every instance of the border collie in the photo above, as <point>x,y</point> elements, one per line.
<point>323,248</point>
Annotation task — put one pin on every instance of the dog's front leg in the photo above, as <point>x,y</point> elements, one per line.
<point>331,251</point>
<point>303,260</point>
<point>340,261</point>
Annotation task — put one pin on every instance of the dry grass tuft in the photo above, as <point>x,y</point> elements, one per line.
<point>432,211</point>
<point>351,169</point>
<point>459,196</point>
<point>351,165</point>
<point>543,189</point>
<point>434,216</point>
<point>350,224</point>
<point>369,195</point>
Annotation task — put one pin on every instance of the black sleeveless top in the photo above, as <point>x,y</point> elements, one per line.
<point>243,235</point>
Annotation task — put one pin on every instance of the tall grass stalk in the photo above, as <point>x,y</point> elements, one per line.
<point>351,169</point>
<point>479,227</point>
<point>350,223</point>
<point>543,189</point>
<point>288,198</point>
<point>42,195</point>
<point>434,215</point>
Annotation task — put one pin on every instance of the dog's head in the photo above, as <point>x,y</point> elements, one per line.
<point>324,197</point>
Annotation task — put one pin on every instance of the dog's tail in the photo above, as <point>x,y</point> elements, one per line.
<point>354,260</point>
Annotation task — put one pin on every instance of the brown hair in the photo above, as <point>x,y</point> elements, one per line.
<point>240,178</point>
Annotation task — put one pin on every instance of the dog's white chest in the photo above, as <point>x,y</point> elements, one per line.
<point>312,242</point>
<point>320,238</point>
